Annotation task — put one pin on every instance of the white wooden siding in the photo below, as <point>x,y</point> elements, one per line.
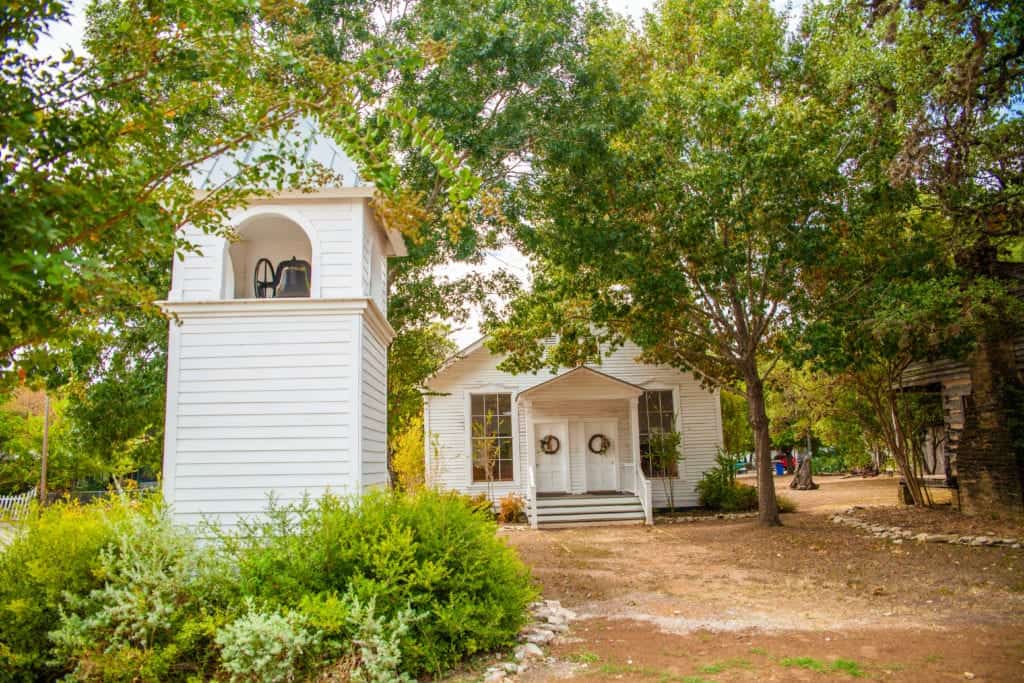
<point>375,262</point>
<point>373,388</point>
<point>252,417</point>
<point>447,419</point>
<point>197,276</point>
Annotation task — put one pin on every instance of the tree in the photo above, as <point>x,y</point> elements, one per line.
<point>941,85</point>
<point>737,438</point>
<point>497,69</point>
<point>798,407</point>
<point>686,195</point>
<point>100,150</point>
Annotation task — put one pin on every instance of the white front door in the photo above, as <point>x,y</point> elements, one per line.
<point>601,467</point>
<point>551,467</point>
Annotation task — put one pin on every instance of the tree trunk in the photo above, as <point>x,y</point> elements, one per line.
<point>768,509</point>
<point>989,459</point>
<point>990,455</point>
<point>803,481</point>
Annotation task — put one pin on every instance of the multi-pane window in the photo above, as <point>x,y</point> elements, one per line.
<point>491,436</point>
<point>657,415</point>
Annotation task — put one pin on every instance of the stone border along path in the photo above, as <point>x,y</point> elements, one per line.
<point>663,519</point>
<point>550,620</point>
<point>899,534</point>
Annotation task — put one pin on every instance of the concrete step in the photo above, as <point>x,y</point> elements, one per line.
<point>625,515</point>
<point>585,501</point>
<point>563,511</point>
<point>589,510</point>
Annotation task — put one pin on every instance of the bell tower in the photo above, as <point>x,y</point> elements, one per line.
<point>277,357</point>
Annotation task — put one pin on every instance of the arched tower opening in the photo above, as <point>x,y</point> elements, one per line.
<point>272,258</point>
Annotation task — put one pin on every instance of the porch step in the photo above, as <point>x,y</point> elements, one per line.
<point>558,511</point>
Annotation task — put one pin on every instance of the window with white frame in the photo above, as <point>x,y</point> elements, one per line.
<point>657,415</point>
<point>491,437</point>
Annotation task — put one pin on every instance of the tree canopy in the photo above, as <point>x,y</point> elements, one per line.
<point>687,192</point>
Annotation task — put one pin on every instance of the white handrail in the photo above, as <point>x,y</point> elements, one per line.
<point>643,492</point>
<point>531,497</point>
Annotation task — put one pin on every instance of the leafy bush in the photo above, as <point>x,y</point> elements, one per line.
<point>717,483</point>
<point>428,553</point>
<point>264,647</point>
<point>512,508</point>
<point>113,591</point>
<point>719,490</point>
<point>54,555</point>
<point>408,457</point>
<point>156,580</point>
<point>478,502</point>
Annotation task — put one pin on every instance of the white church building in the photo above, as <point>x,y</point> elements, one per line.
<point>277,383</point>
<point>277,357</point>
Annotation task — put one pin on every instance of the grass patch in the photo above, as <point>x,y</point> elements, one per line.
<point>844,666</point>
<point>634,671</point>
<point>584,657</point>
<point>809,663</point>
<point>758,651</point>
<point>719,667</point>
<point>848,667</point>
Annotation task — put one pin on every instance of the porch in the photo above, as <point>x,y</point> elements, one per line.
<point>583,455</point>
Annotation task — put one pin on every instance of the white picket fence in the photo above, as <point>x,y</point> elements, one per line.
<point>13,508</point>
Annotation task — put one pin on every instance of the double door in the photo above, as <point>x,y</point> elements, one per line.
<point>577,454</point>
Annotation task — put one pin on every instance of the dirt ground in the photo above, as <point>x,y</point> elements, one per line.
<point>730,601</point>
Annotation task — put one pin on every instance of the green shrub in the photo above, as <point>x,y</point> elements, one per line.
<point>54,556</point>
<point>265,646</point>
<point>719,490</point>
<point>739,498</point>
<point>155,580</point>
<point>718,483</point>
<point>427,553</point>
<point>372,588</point>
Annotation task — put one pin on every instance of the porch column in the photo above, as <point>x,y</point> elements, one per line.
<point>643,489</point>
<point>634,442</point>
<point>531,464</point>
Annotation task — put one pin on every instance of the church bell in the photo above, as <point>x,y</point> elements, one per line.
<point>293,278</point>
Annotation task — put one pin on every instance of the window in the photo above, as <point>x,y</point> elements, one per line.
<point>491,437</point>
<point>657,415</point>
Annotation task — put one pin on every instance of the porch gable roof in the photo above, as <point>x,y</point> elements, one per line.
<point>618,388</point>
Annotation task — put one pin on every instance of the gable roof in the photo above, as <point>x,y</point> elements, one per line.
<point>628,387</point>
<point>457,356</point>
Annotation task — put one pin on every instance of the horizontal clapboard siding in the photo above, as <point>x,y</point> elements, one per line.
<point>273,415</point>
<point>446,416</point>
<point>374,387</point>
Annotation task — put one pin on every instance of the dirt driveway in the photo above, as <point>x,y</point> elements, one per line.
<point>730,601</point>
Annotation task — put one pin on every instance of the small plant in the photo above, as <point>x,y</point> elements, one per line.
<point>785,503</point>
<point>664,455</point>
<point>264,646</point>
<point>809,663</point>
<point>585,657</point>
<point>378,643</point>
<point>481,503</point>
<point>848,667</point>
<point>512,508</point>
<point>719,490</point>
